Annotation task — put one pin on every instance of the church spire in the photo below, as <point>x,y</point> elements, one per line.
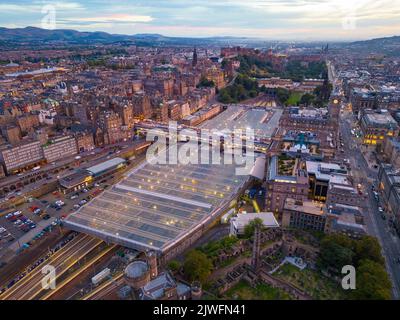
<point>194,62</point>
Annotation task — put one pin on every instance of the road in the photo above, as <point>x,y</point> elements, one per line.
<point>30,287</point>
<point>376,226</point>
<point>367,177</point>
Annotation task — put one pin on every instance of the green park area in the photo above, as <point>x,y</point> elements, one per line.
<point>312,282</point>
<point>294,99</point>
<point>243,291</point>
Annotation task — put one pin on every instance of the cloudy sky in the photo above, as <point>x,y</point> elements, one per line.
<point>269,19</point>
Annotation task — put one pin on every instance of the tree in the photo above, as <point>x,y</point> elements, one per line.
<point>250,227</point>
<point>282,95</point>
<point>224,96</point>
<point>197,266</point>
<point>307,99</point>
<point>372,282</point>
<point>174,265</point>
<point>368,248</point>
<point>243,88</point>
<point>205,83</point>
<point>333,256</point>
<point>341,239</point>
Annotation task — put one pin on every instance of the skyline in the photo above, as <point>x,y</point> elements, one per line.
<point>301,20</point>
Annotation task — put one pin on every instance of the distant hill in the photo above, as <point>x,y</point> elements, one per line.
<point>389,46</point>
<point>30,35</point>
<point>395,40</point>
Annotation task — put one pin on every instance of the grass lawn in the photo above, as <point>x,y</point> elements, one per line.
<point>294,98</point>
<point>243,291</point>
<point>315,284</point>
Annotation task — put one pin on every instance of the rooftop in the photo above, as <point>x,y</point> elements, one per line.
<point>155,289</point>
<point>268,219</point>
<point>136,269</point>
<point>98,168</point>
<point>310,207</point>
<point>380,119</point>
<point>155,205</point>
<point>286,169</point>
<point>74,179</point>
<point>331,172</point>
<point>262,121</point>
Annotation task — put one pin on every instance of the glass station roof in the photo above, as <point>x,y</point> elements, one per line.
<point>155,205</point>
<point>262,120</point>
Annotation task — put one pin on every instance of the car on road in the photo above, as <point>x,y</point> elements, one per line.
<point>383,216</point>
<point>59,203</point>
<point>82,202</point>
<point>46,217</point>
<point>73,197</point>
<point>380,209</point>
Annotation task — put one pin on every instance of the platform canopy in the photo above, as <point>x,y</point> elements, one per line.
<point>156,205</point>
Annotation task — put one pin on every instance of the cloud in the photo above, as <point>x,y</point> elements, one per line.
<point>36,6</point>
<point>319,19</point>
<point>114,18</point>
